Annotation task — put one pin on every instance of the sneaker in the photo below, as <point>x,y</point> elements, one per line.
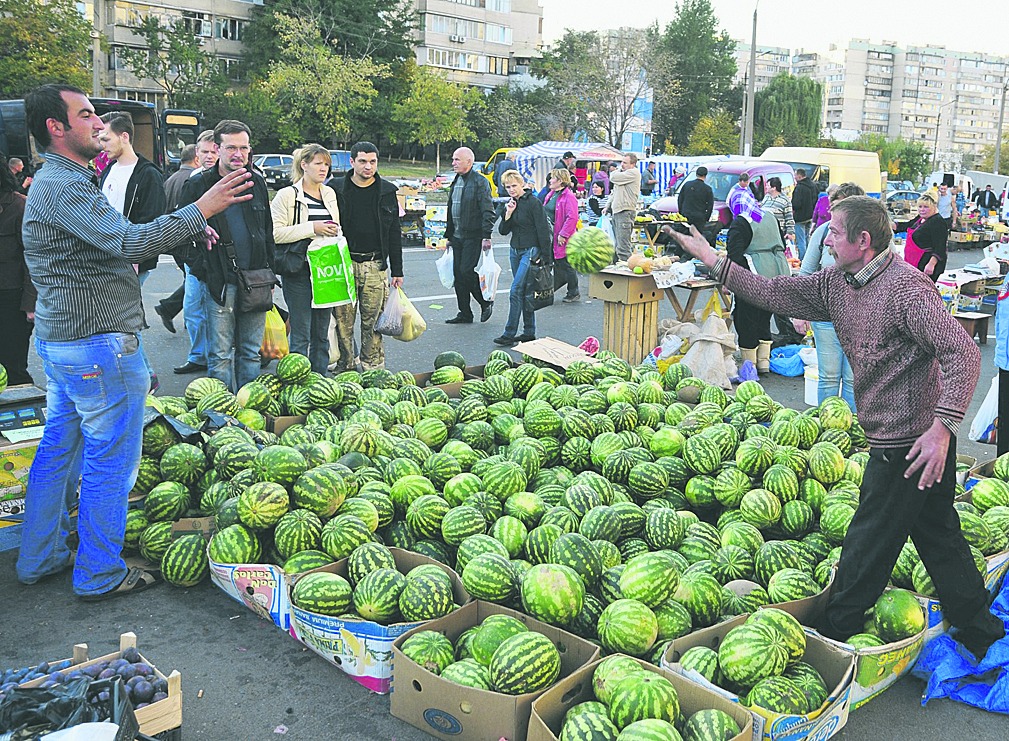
<point>459,319</point>
<point>505,340</point>
<point>486,311</point>
<point>572,299</point>
<point>526,337</point>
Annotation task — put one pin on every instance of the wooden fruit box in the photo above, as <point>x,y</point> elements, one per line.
<point>158,717</point>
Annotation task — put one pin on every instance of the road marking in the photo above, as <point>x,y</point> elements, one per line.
<point>415,299</point>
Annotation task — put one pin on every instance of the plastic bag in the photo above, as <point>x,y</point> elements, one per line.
<point>606,224</point>
<point>444,266</point>
<point>391,321</point>
<point>332,273</point>
<point>274,344</point>
<point>413,323</point>
<point>785,361</point>
<point>984,428</point>
<point>489,272</point>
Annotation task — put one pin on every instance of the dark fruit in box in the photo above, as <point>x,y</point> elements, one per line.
<point>143,670</point>
<point>160,685</point>
<point>142,692</point>
<point>131,655</point>
<point>107,674</point>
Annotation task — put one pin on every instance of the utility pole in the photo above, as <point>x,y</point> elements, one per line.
<point>751,87</point>
<point>742,127</point>
<point>998,137</point>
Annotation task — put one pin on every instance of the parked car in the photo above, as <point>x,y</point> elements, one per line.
<point>276,169</point>
<point>902,202</point>
<point>722,176</point>
<point>340,163</point>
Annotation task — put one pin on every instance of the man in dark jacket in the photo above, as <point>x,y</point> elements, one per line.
<point>986,199</point>
<point>135,188</point>
<point>233,337</point>
<point>803,202</point>
<point>369,215</point>
<point>471,218</point>
<point>696,201</point>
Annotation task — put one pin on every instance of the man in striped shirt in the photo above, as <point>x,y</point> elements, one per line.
<point>80,253</point>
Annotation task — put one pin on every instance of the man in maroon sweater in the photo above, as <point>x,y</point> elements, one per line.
<point>915,371</point>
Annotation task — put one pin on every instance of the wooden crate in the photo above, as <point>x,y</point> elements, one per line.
<point>158,717</point>
<point>630,330</point>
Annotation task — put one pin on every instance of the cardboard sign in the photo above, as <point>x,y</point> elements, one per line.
<point>204,526</point>
<point>554,352</point>
<point>260,587</point>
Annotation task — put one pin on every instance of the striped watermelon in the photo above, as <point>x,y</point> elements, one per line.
<point>261,506</point>
<point>701,595</point>
<point>785,627</point>
<point>304,561</point>
<point>750,652</point>
<point>791,584</point>
<point>489,576</point>
<point>184,563</point>
<point>166,502</point>
<point>779,695</point>
<point>702,660</point>
<point>524,663</point>
<point>710,725</point>
<point>234,544</point>
<point>641,696</point>
<point>628,626</point>
<point>760,508</point>
<point>184,463</point>
<point>755,455</point>
<point>468,673</point>
<point>323,593</point>
<point>585,725</point>
<point>810,682</point>
<point>650,578</point>
<point>321,490</point>
<point>342,534</point>
<point>298,530</point>
<point>279,464</point>
<point>430,649</point>
<point>426,596</point>
<point>577,551</point>
<point>673,619</point>
<point>376,595</point>
<point>552,593</point>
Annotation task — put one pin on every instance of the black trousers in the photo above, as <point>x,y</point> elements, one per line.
<point>17,334</point>
<point>890,509</point>
<point>465,256</point>
<point>172,305</point>
<point>752,324</point>
<point>1002,441</point>
<point>565,274</point>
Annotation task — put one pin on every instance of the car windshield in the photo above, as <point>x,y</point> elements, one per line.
<point>721,183</point>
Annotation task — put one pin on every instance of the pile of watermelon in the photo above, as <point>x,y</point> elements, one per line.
<point>501,654</point>
<point>633,702</point>
<point>374,589</point>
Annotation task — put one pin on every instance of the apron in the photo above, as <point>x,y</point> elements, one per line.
<point>912,252</point>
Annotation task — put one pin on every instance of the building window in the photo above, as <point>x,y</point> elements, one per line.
<point>498,66</point>
<point>499,6</point>
<point>229,28</point>
<point>498,34</point>
<point>232,68</point>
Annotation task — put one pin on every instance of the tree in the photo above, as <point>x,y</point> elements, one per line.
<point>44,41</point>
<point>787,113</point>
<point>902,159</point>
<point>504,118</point>
<point>690,67</point>
<point>986,161</point>
<point>713,134</point>
<point>435,111</point>
<point>316,90</point>
<point>573,72</point>
<point>622,85</point>
<point>173,58</point>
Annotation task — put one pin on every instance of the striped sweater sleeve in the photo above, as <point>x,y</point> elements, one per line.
<point>799,297</point>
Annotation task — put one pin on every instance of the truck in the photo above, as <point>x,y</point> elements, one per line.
<point>160,137</point>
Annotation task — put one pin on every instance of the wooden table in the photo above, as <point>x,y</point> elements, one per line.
<point>975,323</point>
<point>695,287</point>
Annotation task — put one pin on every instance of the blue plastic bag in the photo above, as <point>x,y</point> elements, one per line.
<point>785,361</point>
<point>952,671</point>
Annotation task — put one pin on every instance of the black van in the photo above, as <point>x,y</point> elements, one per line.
<point>159,138</point>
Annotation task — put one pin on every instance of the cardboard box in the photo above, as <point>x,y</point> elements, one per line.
<point>157,717</point>
<point>834,664</point>
<point>553,352</point>
<point>277,425</point>
<point>260,587</point>
<point>623,287</point>
<point>361,648</point>
<point>15,462</point>
<point>455,713</point>
<point>968,302</point>
<point>550,708</point>
<point>876,669</point>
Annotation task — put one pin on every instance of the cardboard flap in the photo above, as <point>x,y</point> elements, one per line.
<point>554,352</point>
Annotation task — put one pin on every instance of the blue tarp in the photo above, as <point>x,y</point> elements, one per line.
<point>952,671</point>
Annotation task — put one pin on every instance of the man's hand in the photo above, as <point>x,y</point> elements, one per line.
<point>928,455</point>
<point>694,244</point>
<point>30,316</point>
<point>396,281</point>
<point>485,244</point>
<point>929,267</point>
<point>209,237</point>
<point>229,190</point>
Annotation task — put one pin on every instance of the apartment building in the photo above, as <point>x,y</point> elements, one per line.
<point>484,43</point>
<point>771,61</point>
<point>218,25</point>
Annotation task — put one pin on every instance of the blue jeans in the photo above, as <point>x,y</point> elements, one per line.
<point>802,236</point>
<point>233,341</point>
<point>309,327</point>
<point>195,314</point>
<point>834,368</point>
<point>94,424</point>
<point>518,305</point>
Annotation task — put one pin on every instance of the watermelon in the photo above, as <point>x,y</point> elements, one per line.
<point>810,682</point>
<point>701,595</point>
<point>750,652</point>
<point>628,626</point>
<point>293,368</point>
<point>376,596</point>
<point>779,695</point>
<point>523,663</point>
<point>589,250</point>
<point>643,695</point>
<point>184,563</point>
<point>588,725</point>
<point>491,633</point>
<point>430,649</point>
<point>710,725</point>
<point>298,530</point>
<point>489,576</point>
<point>702,660</point>
<point>166,502</point>
<point>184,463</point>
<point>304,561</point>
<point>342,534</point>
<point>262,505</point>
<point>785,627</point>
<point>468,673</point>
<point>897,615</point>
<point>552,593</point>
<point>650,578</point>
<point>426,596</point>
<point>234,544</point>
<point>322,592</point>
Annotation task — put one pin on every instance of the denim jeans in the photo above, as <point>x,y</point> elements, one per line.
<point>195,314</point>
<point>309,327</point>
<point>518,304</point>
<point>233,341</point>
<point>836,378</point>
<point>94,424</point>
<point>802,229</point>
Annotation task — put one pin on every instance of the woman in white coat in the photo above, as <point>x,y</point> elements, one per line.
<point>301,213</point>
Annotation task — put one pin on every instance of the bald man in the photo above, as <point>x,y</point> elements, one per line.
<point>471,218</point>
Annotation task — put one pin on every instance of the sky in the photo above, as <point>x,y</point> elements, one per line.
<point>795,24</point>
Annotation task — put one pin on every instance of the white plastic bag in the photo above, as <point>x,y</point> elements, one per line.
<point>985,425</point>
<point>606,224</point>
<point>444,265</point>
<point>391,320</point>
<point>489,272</point>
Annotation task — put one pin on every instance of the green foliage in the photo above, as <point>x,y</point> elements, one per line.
<point>316,90</point>
<point>902,159</point>
<point>716,133</point>
<point>435,110</point>
<point>173,59</point>
<point>787,113</point>
<point>690,66</point>
<point>43,42</point>
<point>504,118</point>
<point>572,72</point>
<point>986,161</point>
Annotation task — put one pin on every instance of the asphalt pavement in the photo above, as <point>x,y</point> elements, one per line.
<point>242,678</point>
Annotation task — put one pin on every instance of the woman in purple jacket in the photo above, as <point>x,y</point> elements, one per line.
<point>562,205</point>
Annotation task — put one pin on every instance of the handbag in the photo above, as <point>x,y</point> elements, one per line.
<point>255,287</point>
<point>540,286</point>
<point>290,257</point>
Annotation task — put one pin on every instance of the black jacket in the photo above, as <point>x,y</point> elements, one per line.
<point>478,214</point>
<point>528,226</point>
<point>930,235</point>
<point>390,232</point>
<point>696,202</point>
<point>145,197</point>
<point>804,200</point>
<point>213,266</point>
<point>987,199</point>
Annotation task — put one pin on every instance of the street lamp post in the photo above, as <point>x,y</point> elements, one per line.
<point>751,88</point>
<point>998,136</point>
<point>935,145</point>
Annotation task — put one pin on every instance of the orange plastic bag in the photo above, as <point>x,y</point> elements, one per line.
<point>274,344</point>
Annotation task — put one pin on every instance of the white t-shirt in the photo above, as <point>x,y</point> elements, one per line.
<point>115,185</point>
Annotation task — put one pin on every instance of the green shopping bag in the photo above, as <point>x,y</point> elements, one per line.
<point>332,273</point>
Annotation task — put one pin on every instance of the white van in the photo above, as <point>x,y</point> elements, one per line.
<point>833,166</point>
